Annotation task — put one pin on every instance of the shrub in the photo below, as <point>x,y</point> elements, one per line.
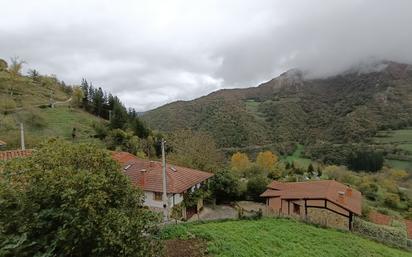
<point>34,117</point>
<point>225,186</point>
<point>409,243</point>
<point>71,200</point>
<point>3,65</point>
<point>392,235</point>
<point>7,105</point>
<point>392,200</point>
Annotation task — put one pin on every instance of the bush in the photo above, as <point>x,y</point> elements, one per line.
<point>34,117</point>
<point>3,65</point>
<point>409,243</point>
<point>71,200</point>
<point>392,200</point>
<point>225,186</point>
<point>7,105</point>
<point>392,235</point>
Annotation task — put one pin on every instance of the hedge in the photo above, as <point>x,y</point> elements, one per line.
<point>391,235</point>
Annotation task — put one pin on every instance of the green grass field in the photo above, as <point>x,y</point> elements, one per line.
<point>404,165</point>
<point>402,139</point>
<point>57,122</point>
<point>297,159</point>
<point>279,237</point>
<point>394,136</point>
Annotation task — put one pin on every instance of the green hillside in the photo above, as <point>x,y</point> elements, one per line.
<point>27,99</point>
<point>346,109</point>
<point>278,237</point>
<point>48,122</point>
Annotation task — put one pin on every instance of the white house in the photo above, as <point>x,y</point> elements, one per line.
<point>147,175</point>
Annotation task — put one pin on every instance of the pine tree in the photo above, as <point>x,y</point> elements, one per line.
<point>85,88</point>
<point>119,115</point>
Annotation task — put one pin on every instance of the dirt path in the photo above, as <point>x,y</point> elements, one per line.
<point>185,248</point>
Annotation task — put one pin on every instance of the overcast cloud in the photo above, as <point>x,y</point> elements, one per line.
<point>153,52</point>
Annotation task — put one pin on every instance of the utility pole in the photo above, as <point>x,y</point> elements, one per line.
<point>165,200</point>
<point>23,147</point>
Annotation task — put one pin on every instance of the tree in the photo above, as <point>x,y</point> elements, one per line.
<point>98,101</point>
<point>119,115</point>
<point>138,127</point>
<point>34,75</point>
<point>148,146</point>
<point>240,162</point>
<point>85,88</point>
<point>310,169</point>
<point>365,161</point>
<point>71,200</point>
<point>256,186</point>
<point>16,66</point>
<point>77,96</point>
<point>194,149</point>
<point>266,161</point>
<point>224,186</point>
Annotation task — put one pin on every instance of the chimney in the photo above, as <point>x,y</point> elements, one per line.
<point>349,191</point>
<point>341,196</point>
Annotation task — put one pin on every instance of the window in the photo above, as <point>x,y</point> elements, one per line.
<point>296,208</point>
<point>158,196</point>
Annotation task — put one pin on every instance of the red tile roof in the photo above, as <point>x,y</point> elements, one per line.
<point>320,189</point>
<point>147,174</point>
<point>7,155</point>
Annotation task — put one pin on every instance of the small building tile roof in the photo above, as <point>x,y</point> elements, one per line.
<point>7,155</point>
<point>320,189</point>
<point>147,174</point>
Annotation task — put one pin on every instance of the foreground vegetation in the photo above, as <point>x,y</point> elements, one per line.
<point>278,237</point>
<point>71,200</point>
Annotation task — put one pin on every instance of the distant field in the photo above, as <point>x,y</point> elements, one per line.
<point>394,136</point>
<point>278,237</point>
<point>297,159</point>
<point>404,165</point>
<point>401,139</point>
<point>252,106</point>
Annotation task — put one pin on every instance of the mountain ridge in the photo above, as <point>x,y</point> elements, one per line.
<point>344,108</point>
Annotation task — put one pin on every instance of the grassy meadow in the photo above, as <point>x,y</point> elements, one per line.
<point>46,123</point>
<point>297,158</point>
<point>278,237</point>
<point>401,139</point>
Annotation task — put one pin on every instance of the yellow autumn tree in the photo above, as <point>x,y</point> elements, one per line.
<point>266,160</point>
<point>239,162</point>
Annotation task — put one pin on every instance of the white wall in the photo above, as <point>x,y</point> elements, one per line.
<point>151,202</point>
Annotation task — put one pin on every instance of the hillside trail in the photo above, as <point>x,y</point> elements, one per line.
<point>39,105</point>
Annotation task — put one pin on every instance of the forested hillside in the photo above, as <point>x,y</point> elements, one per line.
<point>48,108</point>
<point>346,109</point>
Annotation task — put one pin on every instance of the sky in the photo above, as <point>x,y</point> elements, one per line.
<point>152,52</point>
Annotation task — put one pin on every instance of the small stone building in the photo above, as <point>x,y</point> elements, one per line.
<point>324,202</point>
